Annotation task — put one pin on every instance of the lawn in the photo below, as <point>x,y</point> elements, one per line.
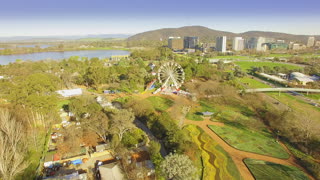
<point>260,142</point>
<point>63,103</point>
<point>279,55</point>
<point>123,100</point>
<point>296,104</point>
<point>263,170</point>
<point>217,164</point>
<point>233,57</point>
<point>313,96</point>
<point>195,112</point>
<point>252,83</point>
<point>160,103</point>
<point>246,65</point>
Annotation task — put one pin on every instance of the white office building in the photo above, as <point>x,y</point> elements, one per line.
<point>221,44</point>
<point>311,41</point>
<point>258,43</point>
<point>238,44</point>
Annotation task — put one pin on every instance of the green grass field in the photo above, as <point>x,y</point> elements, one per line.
<point>260,142</point>
<point>313,96</point>
<point>217,164</point>
<point>263,170</point>
<point>123,100</point>
<point>246,65</point>
<point>195,113</point>
<point>296,104</point>
<point>62,103</point>
<point>233,57</point>
<point>252,83</point>
<point>160,103</point>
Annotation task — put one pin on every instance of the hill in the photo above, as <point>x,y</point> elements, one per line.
<point>208,35</point>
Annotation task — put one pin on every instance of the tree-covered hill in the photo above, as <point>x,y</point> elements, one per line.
<point>208,35</point>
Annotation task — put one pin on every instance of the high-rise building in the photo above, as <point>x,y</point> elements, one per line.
<point>221,44</point>
<point>258,43</point>
<point>238,44</point>
<point>317,44</point>
<point>191,42</point>
<point>175,43</point>
<point>310,42</point>
<point>251,43</point>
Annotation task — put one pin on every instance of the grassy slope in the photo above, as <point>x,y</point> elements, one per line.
<point>160,103</point>
<point>313,96</point>
<point>252,83</point>
<point>246,65</point>
<point>263,170</point>
<point>195,112</point>
<point>233,57</point>
<point>252,141</point>
<point>217,163</point>
<point>296,104</point>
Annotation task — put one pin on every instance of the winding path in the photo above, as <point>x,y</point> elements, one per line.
<point>237,155</point>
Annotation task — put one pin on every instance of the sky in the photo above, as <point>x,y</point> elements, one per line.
<point>82,17</point>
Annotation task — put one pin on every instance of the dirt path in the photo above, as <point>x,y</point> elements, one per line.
<point>237,155</point>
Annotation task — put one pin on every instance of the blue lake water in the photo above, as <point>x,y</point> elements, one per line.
<point>6,59</point>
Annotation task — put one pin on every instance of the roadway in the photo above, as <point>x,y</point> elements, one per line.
<point>289,91</point>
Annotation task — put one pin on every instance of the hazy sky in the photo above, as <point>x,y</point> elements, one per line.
<point>80,17</point>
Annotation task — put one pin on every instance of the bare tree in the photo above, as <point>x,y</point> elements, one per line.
<point>122,121</point>
<point>99,123</point>
<point>12,149</point>
<point>308,126</point>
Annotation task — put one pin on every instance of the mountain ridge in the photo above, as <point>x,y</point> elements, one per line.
<point>207,35</point>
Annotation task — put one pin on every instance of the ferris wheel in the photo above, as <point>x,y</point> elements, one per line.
<point>171,76</point>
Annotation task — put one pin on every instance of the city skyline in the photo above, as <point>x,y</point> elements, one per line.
<point>37,18</point>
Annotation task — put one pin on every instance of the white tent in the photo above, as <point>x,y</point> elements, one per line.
<point>70,92</point>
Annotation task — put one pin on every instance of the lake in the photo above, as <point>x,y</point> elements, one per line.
<point>6,59</point>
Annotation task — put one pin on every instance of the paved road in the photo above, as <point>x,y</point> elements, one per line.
<point>143,127</point>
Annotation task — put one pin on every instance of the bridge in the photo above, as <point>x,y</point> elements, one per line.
<point>282,90</point>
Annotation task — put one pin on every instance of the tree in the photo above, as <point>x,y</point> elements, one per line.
<point>12,148</point>
<point>154,147</point>
<point>122,121</point>
<point>99,123</point>
<point>70,141</point>
<point>238,72</point>
<point>90,138</point>
<point>178,166</point>
<point>133,137</point>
